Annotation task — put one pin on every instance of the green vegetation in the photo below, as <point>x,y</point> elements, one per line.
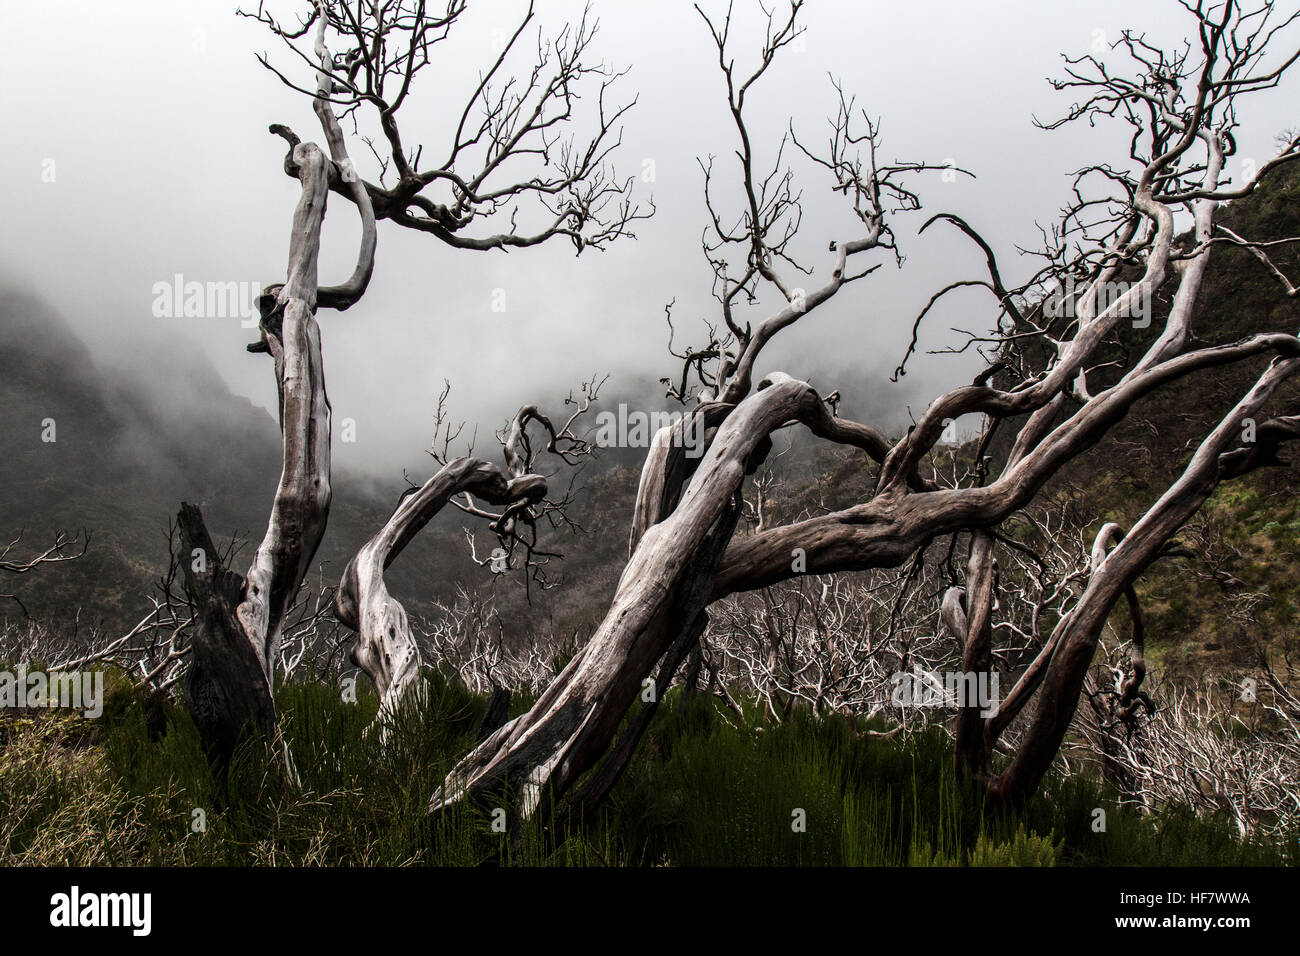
<point>707,787</point>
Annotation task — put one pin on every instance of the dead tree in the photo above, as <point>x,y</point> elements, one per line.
<point>472,199</point>
<point>1051,386</point>
<point>1182,108</point>
<point>387,650</point>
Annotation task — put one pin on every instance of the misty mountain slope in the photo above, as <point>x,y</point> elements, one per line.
<point>115,465</point>
<point>121,461</point>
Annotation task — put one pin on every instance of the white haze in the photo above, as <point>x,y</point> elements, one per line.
<point>154,114</point>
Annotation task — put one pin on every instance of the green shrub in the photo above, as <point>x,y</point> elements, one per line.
<point>706,787</point>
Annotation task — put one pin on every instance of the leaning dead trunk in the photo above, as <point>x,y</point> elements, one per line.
<point>1075,640</point>
<point>539,755</point>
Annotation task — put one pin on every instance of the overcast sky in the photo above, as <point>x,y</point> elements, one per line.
<point>152,115</point>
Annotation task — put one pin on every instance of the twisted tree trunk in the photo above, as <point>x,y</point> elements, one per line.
<point>386,649</point>
<point>543,752</point>
<point>230,688</point>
